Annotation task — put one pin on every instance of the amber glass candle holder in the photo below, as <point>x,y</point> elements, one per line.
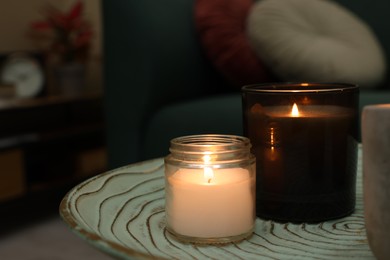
<point>304,137</point>
<point>210,189</point>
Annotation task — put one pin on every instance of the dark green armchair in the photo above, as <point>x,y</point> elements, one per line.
<point>159,84</point>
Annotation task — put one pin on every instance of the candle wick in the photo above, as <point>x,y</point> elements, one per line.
<point>209,180</point>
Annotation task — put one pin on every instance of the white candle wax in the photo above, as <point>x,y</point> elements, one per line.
<point>220,206</point>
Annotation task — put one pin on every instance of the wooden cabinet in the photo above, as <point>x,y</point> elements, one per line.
<point>50,142</point>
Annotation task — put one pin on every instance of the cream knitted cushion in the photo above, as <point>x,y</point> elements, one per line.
<point>315,40</point>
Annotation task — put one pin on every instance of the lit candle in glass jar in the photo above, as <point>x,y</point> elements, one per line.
<point>304,137</point>
<point>211,201</point>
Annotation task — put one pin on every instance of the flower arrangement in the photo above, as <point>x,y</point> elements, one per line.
<point>66,35</point>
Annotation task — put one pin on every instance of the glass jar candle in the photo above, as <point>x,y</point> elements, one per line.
<point>305,138</point>
<point>210,188</point>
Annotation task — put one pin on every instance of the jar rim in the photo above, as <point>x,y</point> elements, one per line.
<point>215,143</point>
<point>295,87</point>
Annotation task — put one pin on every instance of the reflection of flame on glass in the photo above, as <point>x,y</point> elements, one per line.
<point>206,158</point>
<point>272,136</point>
<point>272,142</point>
<point>272,155</point>
<point>304,84</point>
<point>295,111</point>
<point>207,171</point>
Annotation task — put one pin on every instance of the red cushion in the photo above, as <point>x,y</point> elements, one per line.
<point>221,28</point>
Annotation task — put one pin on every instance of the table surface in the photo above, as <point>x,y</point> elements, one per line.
<point>121,212</point>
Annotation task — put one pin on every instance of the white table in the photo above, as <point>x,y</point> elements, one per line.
<point>121,212</point>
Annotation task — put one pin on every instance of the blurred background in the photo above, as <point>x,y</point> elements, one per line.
<point>52,130</point>
<point>171,68</point>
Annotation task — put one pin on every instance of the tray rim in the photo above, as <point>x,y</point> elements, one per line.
<point>97,241</point>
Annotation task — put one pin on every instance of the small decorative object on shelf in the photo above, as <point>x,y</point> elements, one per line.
<point>304,137</point>
<point>210,188</point>
<point>66,36</point>
<point>22,76</point>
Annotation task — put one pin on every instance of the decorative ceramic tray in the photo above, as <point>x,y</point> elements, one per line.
<point>121,212</point>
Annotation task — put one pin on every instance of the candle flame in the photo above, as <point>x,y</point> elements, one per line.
<point>207,171</point>
<point>208,174</point>
<point>295,111</point>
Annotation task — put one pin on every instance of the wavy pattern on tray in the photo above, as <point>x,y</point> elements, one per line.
<point>122,213</point>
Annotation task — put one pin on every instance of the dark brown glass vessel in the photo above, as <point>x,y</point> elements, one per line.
<point>306,162</point>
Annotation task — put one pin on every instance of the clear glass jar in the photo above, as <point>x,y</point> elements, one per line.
<point>210,183</point>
